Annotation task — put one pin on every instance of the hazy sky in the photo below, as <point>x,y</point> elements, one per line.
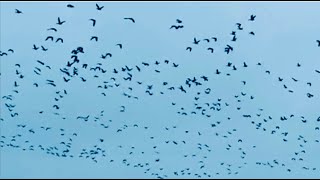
<point>285,34</point>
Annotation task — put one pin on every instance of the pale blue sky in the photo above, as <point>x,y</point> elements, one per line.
<point>285,34</point>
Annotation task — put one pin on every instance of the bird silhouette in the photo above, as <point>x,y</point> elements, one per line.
<point>252,17</point>
<point>70,6</point>
<point>52,29</point>
<point>130,19</point>
<point>99,7</point>
<point>59,39</point>
<point>18,11</point>
<point>93,22</point>
<point>94,37</point>
<point>60,22</point>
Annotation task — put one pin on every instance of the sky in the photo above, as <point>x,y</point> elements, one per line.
<point>285,34</point>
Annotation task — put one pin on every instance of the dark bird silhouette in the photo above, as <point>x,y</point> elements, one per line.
<point>179,21</point>
<point>35,47</point>
<point>252,17</point>
<point>189,48</point>
<point>252,33</point>
<point>130,19</point>
<point>99,7</point>
<point>105,56</point>
<point>93,22</point>
<point>217,71</point>
<point>214,38</point>
<point>195,41</point>
<point>318,41</point>
<point>70,6</point>
<point>120,45</point>
<point>176,27</point>
<point>175,65</point>
<point>239,26</point>
<point>49,37</point>
<point>52,29</point>
<point>94,37</point>
<point>211,49</point>
<point>59,39</point>
<point>44,49</point>
<point>60,22</point>
<point>18,11</point>
<point>66,80</point>
<point>11,50</point>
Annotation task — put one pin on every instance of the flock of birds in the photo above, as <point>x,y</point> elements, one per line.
<point>127,81</point>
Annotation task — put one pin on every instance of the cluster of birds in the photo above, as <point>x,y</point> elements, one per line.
<point>128,81</point>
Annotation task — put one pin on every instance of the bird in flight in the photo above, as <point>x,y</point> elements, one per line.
<point>318,41</point>
<point>195,41</point>
<point>70,6</point>
<point>94,37</point>
<point>252,17</point>
<point>99,8</point>
<point>93,21</point>
<point>179,21</point>
<point>130,19</point>
<point>189,48</point>
<point>18,11</point>
<point>60,22</point>
<point>52,29</point>
<point>120,45</point>
<point>211,49</point>
<point>59,39</point>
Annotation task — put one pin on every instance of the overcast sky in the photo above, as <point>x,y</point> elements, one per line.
<point>285,34</point>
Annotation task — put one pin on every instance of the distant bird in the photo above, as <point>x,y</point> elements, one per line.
<point>179,21</point>
<point>318,41</point>
<point>35,47</point>
<point>60,22</point>
<point>239,26</point>
<point>214,38</point>
<point>59,39</point>
<point>105,56</point>
<point>70,6</point>
<point>252,17</point>
<point>44,49</point>
<point>93,21</point>
<point>11,50</point>
<point>175,65</point>
<point>130,19</point>
<point>18,11</point>
<point>52,29</point>
<point>120,45</point>
<point>94,37</point>
<point>195,41</point>
<point>252,33</point>
<point>49,37</point>
<point>189,48</point>
<point>176,27</point>
<point>98,7</point>
<point>211,49</point>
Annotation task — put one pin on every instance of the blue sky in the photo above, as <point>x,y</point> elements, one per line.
<point>285,34</point>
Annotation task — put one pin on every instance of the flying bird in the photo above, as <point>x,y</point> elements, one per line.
<point>60,22</point>
<point>130,19</point>
<point>52,29</point>
<point>49,37</point>
<point>18,11</point>
<point>252,17</point>
<point>70,6</point>
<point>93,21</point>
<point>99,7</point>
<point>59,39</point>
<point>94,37</point>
